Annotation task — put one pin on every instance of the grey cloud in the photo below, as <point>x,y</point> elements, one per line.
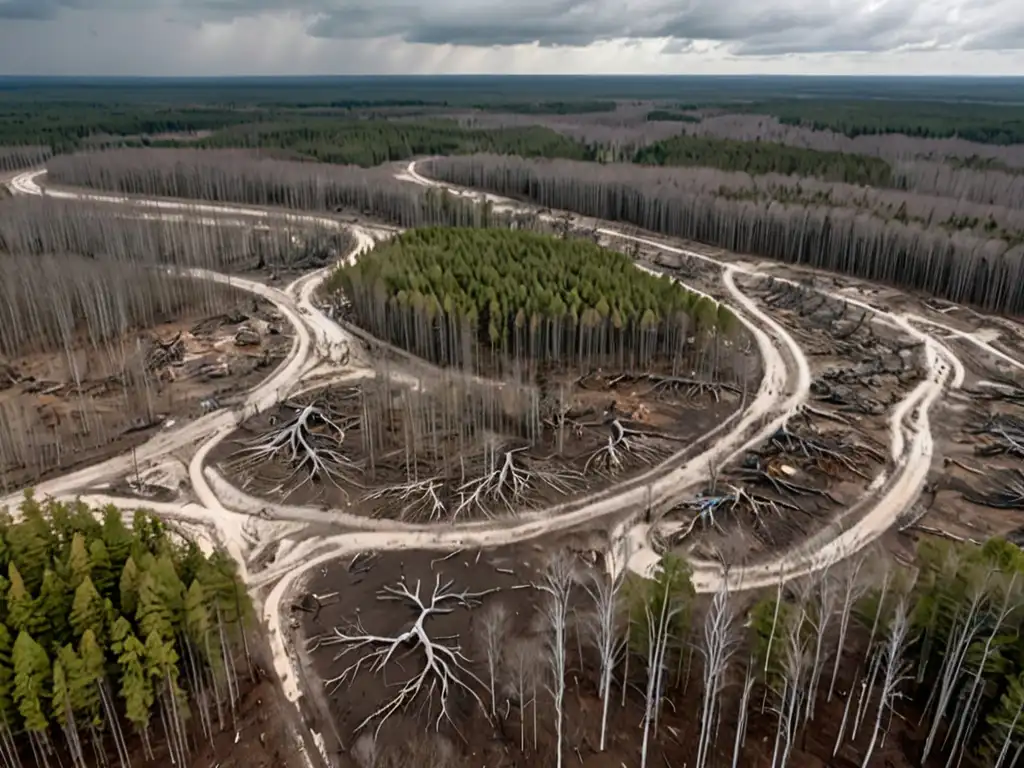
<point>747,27</point>
<point>1009,37</point>
<point>27,10</point>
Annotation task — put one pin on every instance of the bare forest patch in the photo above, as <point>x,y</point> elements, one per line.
<point>823,461</point>
<point>979,492</point>
<point>89,402</point>
<point>452,448</point>
<point>494,657</point>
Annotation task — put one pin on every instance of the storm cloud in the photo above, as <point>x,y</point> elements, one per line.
<point>735,29</point>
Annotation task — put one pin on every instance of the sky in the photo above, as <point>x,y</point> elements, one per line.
<point>339,37</point>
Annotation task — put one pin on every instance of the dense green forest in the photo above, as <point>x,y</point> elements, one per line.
<point>761,157</point>
<point>65,127</point>
<point>112,634</point>
<point>984,123</point>
<point>372,142</point>
<point>65,113</point>
<point>438,291</point>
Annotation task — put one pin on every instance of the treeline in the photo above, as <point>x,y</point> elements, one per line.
<point>960,267</point>
<point>891,146</point>
<point>983,123</point>
<point>758,157</point>
<point>581,107</point>
<point>669,115</point>
<point>238,176</point>
<point>18,158</point>
<point>113,635</point>
<point>373,142</point>
<point>614,136</point>
<point>65,126</point>
<point>438,292</point>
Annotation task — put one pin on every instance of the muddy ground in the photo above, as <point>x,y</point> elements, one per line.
<point>176,371</point>
<point>351,592</point>
<point>390,430</point>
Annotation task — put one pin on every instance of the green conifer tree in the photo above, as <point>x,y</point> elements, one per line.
<point>22,611</point>
<point>31,676</point>
<point>101,568</point>
<point>29,542</point>
<point>79,565</point>
<point>91,656</point>
<point>116,537</point>
<point>153,614</point>
<point>7,706</point>
<point>88,611</point>
<point>136,686</point>
<point>129,587</point>
<point>54,603</point>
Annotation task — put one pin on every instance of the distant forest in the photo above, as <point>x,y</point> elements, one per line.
<point>68,114</point>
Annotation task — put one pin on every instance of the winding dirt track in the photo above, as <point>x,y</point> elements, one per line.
<point>238,522</point>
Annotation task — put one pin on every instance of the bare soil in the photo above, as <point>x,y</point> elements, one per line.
<point>191,365</point>
<point>351,591</point>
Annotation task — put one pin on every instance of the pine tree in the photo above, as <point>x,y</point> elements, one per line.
<point>88,611</point>
<point>101,567</point>
<point>190,562</point>
<point>60,696</point>
<point>154,614</point>
<point>22,611</point>
<point>54,603</point>
<point>129,587</point>
<point>91,656</point>
<point>7,707</point>
<point>31,673</point>
<point>136,686</point>
<point>116,537</point>
<point>197,615</point>
<point>79,565</point>
<point>221,583</point>
<point>29,543</point>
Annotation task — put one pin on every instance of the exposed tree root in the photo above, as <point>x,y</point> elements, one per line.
<point>309,443</point>
<point>739,500</point>
<point>824,454</point>
<point>505,482</point>
<point>445,668</point>
<point>623,443</point>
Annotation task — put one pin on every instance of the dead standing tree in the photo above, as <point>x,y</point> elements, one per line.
<point>607,635</point>
<point>556,584</point>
